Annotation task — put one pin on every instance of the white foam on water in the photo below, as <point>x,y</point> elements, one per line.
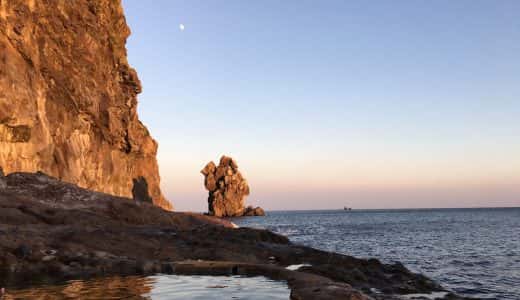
<point>296,267</point>
<point>234,225</point>
<point>432,296</point>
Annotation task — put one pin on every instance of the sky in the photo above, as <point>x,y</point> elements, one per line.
<point>326,104</point>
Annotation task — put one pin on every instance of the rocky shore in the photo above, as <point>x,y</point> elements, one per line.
<point>52,231</point>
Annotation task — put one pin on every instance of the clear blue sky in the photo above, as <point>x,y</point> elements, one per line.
<point>332,103</point>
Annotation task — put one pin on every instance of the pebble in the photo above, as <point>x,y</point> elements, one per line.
<point>48,252</point>
<point>48,257</point>
<point>101,254</point>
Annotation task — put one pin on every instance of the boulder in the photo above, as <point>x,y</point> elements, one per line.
<point>227,190</point>
<point>254,211</point>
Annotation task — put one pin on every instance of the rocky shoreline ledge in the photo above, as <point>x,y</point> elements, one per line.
<point>52,231</point>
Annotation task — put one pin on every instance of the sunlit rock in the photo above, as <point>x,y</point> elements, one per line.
<point>68,97</point>
<point>228,190</point>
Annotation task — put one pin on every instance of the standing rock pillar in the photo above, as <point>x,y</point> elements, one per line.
<point>227,189</point>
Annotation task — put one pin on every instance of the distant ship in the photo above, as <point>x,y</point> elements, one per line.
<point>347,208</point>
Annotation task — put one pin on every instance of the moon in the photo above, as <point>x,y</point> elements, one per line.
<point>181,27</point>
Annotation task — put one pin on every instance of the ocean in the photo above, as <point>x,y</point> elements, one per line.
<point>473,252</point>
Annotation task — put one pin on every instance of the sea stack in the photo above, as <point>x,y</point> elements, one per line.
<point>227,190</point>
<point>68,97</point>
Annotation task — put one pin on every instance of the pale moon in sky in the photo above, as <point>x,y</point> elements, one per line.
<point>181,27</point>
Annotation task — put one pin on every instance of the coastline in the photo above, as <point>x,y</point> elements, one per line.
<point>385,209</point>
<point>55,231</point>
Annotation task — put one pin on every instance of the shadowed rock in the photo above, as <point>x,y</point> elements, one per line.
<point>140,190</point>
<point>253,211</point>
<point>3,184</point>
<point>227,190</point>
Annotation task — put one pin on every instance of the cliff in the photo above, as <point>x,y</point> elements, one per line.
<point>68,97</point>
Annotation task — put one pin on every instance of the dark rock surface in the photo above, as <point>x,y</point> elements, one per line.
<point>68,97</point>
<point>228,190</point>
<point>51,231</point>
<point>253,211</point>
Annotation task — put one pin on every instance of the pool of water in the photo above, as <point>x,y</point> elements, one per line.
<point>159,287</point>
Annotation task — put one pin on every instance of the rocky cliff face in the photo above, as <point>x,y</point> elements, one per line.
<point>68,97</point>
<point>227,190</point>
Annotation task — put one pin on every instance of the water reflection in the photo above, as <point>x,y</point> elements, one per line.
<point>103,288</point>
<point>159,287</point>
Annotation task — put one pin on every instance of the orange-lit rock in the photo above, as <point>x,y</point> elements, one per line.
<point>228,190</point>
<point>68,97</point>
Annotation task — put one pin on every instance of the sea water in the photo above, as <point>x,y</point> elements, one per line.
<point>474,252</point>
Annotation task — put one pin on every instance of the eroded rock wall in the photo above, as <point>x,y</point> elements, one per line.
<point>68,97</point>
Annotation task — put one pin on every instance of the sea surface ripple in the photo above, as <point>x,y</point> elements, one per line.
<point>474,252</point>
